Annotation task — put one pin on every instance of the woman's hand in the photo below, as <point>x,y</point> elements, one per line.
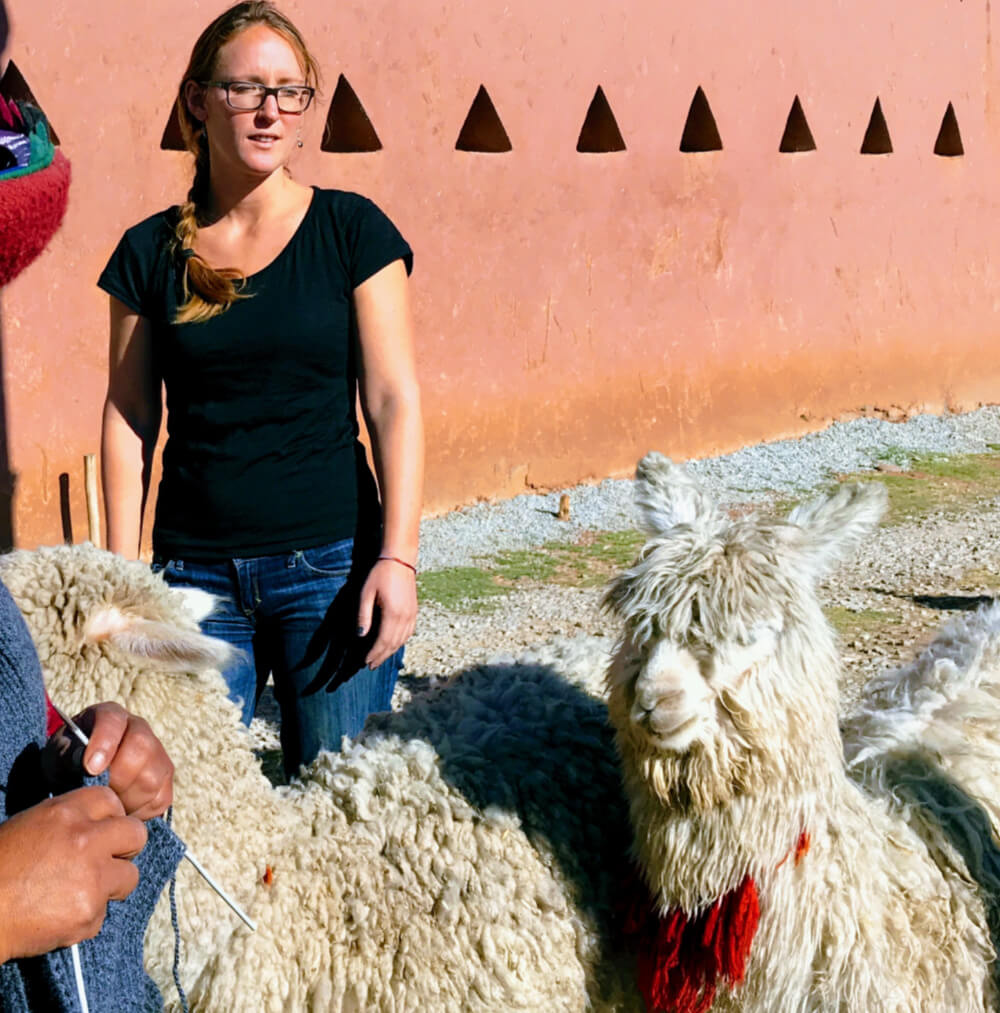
<point>393,587</point>
<point>139,771</point>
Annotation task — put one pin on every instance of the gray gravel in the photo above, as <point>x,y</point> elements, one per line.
<point>792,465</point>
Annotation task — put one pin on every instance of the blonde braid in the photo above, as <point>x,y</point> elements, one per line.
<point>207,291</point>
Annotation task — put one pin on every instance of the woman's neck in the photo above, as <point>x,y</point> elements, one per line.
<point>251,201</point>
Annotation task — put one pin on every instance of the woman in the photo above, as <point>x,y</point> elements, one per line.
<point>263,306</point>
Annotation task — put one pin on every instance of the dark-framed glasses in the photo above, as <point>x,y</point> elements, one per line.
<point>248,95</point>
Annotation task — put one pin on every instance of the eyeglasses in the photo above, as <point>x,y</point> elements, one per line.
<point>246,95</point>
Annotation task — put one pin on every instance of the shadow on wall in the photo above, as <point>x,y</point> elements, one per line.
<point>6,476</point>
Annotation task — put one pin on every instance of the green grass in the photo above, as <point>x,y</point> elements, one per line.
<point>587,562</point>
<point>846,621</point>
<point>933,483</point>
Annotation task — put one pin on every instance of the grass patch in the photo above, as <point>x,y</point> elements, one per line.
<point>847,621</point>
<point>587,562</point>
<point>934,483</point>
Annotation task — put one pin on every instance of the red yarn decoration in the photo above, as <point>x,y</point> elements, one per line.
<point>682,958</point>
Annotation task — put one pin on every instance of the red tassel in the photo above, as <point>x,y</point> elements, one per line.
<point>681,960</point>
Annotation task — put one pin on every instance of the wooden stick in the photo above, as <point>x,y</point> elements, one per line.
<point>90,486</point>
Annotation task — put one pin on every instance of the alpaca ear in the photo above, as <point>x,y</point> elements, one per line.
<point>667,495</point>
<point>833,526</point>
<point>170,645</point>
<point>196,603</point>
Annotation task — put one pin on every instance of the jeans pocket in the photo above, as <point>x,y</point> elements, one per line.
<point>164,566</point>
<point>333,560</point>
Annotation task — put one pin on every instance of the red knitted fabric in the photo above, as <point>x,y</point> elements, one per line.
<point>52,720</point>
<point>682,959</point>
<point>31,208</point>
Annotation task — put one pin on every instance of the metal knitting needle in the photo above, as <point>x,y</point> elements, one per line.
<point>83,738</point>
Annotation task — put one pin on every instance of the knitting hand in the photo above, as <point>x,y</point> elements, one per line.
<point>139,771</point>
<point>61,861</point>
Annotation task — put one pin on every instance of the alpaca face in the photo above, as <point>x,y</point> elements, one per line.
<point>722,620</point>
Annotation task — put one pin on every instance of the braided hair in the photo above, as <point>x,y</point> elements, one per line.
<point>209,291</point>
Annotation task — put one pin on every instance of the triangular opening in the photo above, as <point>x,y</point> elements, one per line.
<point>348,127</point>
<point>482,129</point>
<point>599,133</point>
<point>14,86</point>
<point>949,138</point>
<point>877,140</point>
<point>700,131</point>
<point>797,135</point>
<point>172,139</point>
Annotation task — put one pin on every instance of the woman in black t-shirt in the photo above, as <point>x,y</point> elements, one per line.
<point>264,306</point>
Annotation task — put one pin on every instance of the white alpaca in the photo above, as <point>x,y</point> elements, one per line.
<point>466,854</point>
<point>876,887</point>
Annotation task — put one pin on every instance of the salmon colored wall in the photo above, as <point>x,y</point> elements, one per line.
<point>573,310</point>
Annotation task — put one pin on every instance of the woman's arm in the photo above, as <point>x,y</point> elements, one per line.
<point>390,399</point>
<point>129,429</point>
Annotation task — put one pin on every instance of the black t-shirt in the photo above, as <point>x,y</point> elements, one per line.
<point>262,453</point>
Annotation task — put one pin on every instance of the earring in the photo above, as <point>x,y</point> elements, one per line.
<point>298,138</point>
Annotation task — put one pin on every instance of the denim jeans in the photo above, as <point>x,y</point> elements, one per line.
<point>294,615</point>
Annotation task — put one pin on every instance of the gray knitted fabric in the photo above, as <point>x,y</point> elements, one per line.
<point>113,974</point>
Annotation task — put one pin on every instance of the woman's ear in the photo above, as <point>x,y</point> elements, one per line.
<point>194,99</point>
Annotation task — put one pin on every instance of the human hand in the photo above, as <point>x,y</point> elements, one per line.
<point>61,861</point>
<point>393,587</point>
<point>139,771</point>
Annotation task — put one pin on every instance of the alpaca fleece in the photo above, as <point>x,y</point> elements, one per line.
<point>723,693</point>
<point>466,854</point>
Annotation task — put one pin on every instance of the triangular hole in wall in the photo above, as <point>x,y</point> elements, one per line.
<point>172,139</point>
<point>348,128</point>
<point>877,140</point>
<point>797,135</point>
<point>700,131</point>
<point>14,86</point>
<point>599,133</point>
<point>949,138</point>
<point>483,130</point>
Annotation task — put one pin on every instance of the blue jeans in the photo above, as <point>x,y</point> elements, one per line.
<point>294,615</point>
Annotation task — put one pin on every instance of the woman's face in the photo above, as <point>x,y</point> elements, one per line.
<point>258,141</point>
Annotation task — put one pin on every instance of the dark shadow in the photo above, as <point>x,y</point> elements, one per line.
<point>348,128</point>
<point>962,821</point>
<point>14,86</point>
<point>599,134</point>
<point>951,602</point>
<point>797,135</point>
<point>521,740</point>
<point>483,130</point>
<point>64,508</point>
<point>949,138</point>
<point>700,130</point>
<point>7,479</point>
<point>877,140</point>
<point>173,139</point>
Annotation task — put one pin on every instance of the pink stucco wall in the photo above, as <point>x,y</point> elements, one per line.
<point>573,310</point>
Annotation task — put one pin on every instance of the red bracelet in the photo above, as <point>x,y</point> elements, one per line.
<point>402,562</point>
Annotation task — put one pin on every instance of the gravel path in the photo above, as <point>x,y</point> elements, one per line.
<point>907,580</point>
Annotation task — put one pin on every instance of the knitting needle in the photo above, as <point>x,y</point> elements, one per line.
<point>82,737</point>
<point>81,989</point>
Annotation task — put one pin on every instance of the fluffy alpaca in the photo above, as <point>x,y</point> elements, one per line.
<point>860,889</point>
<point>465,854</point>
